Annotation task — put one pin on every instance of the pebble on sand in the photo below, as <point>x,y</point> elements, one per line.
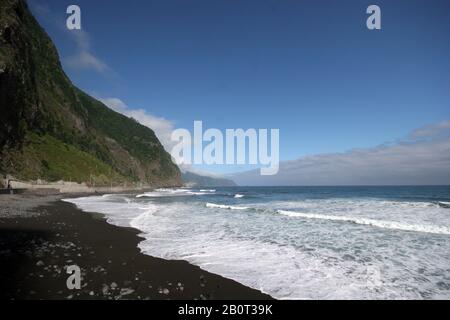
<point>126,291</point>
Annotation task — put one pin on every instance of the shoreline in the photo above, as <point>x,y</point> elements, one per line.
<point>41,235</point>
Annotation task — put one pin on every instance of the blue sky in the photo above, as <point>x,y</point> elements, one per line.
<point>310,68</point>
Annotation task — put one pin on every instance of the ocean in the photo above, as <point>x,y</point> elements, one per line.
<point>299,242</point>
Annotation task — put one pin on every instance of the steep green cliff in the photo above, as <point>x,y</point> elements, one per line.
<point>51,130</point>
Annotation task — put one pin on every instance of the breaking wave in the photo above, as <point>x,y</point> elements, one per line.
<point>370,222</point>
<point>222,206</point>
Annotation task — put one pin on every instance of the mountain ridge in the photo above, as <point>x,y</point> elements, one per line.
<point>192,179</point>
<point>52,130</point>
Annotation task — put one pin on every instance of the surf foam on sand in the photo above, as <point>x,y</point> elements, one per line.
<point>292,246</point>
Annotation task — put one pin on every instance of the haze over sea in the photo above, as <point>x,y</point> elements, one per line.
<point>299,242</point>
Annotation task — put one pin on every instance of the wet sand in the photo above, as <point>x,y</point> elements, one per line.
<point>40,236</point>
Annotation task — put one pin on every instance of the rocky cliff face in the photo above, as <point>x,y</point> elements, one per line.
<point>50,129</point>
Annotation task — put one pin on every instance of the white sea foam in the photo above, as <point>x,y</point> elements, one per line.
<point>306,256</point>
<point>160,193</point>
<point>401,212</point>
<point>444,204</point>
<point>393,225</point>
<point>196,193</point>
<point>118,209</point>
<point>238,196</point>
<point>223,206</point>
<point>371,222</point>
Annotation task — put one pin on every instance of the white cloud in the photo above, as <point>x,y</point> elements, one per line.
<point>84,58</point>
<point>406,162</point>
<point>41,9</point>
<point>431,131</point>
<point>162,127</point>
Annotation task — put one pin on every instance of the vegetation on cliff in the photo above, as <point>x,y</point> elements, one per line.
<point>51,130</point>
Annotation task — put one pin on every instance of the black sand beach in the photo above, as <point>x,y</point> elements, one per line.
<point>40,236</point>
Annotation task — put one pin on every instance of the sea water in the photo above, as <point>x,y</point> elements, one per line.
<point>299,242</point>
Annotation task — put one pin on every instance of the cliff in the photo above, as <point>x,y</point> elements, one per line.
<point>51,130</point>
